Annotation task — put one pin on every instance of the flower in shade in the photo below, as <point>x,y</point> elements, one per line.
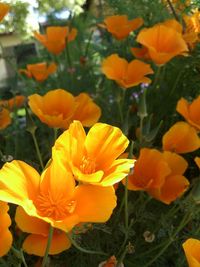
<point>120,27</point>
<point>197,161</point>
<point>192,28</point>
<point>190,111</point>
<point>126,74</point>
<point>5,118</point>
<point>35,243</point>
<point>39,71</point>
<point>86,111</point>
<point>181,138</point>
<point>191,248</point>
<point>140,52</point>
<point>53,196</point>
<point>12,103</point>
<point>92,158</point>
<point>4,9</point>
<point>5,234</point>
<point>58,108</point>
<point>56,38</point>
<point>163,42</point>
<point>160,174</point>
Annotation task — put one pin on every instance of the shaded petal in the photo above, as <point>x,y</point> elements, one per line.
<point>197,161</point>
<point>30,224</point>
<point>36,244</point>
<point>95,203</point>
<point>5,242</point>
<point>177,164</point>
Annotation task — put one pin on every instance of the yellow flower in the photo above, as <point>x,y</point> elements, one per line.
<point>39,71</point>
<point>35,243</point>
<point>126,74</point>
<point>5,119</point>
<point>163,42</point>
<point>54,197</point>
<point>4,9</point>
<point>120,27</point>
<point>191,248</point>
<point>160,174</point>
<point>181,138</point>
<point>5,234</point>
<point>190,111</point>
<point>56,38</point>
<point>93,158</point>
<point>58,108</point>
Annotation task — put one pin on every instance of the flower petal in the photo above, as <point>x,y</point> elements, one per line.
<point>191,247</point>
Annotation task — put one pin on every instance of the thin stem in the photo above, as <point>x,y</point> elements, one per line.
<point>50,236</point>
<point>23,259</point>
<point>55,130</point>
<point>83,249</point>
<point>126,203</point>
<point>88,44</point>
<point>173,10</point>
<point>37,150</point>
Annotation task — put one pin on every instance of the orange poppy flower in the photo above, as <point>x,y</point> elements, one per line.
<point>191,112</point>
<point>35,243</point>
<point>56,38</point>
<point>12,103</point>
<point>4,9</point>
<point>39,71</point>
<point>181,138</point>
<point>160,174</point>
<point>192,28</point>
<point>120,27</point>
<point>163,42</point>
<point>58,108</point>
<point>5,236</point>
<point>197,161</point>
<point>5,119</point>
<point>191,248</point>
<point>54,197</point>
<point>126,74</point>
<point>93,158</point>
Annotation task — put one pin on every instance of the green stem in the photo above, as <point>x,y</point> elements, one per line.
<point>88,44</point>
<point>83,249</point>
<point>23,259</point>
<point>37,149</point>
<point>55,130</point>
<point>173,10</point>
<point>126,203</point>
<point>50,236</point>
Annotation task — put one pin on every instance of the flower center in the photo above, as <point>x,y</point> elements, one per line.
<point>55,207</point>
<point>88,165</point>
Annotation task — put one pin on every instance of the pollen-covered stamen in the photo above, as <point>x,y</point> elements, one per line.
<point>57,208</point>
<point>88,165</point>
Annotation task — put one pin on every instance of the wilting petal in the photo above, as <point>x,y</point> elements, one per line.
<point>105,143</point>
<point>87,112</point>
<point>18,183</point>
<point>30,224</point>
<point>191,247</point>
<point>181,138</point>
<point>98,203</point>
<point>36,244</point>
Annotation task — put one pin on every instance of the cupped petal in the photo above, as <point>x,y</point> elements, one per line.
<point>191,248</point>
<point>5,242</point>
<point>19,183</point>
<point>105,143</point>
<point>95,203</point>
<point>181,138</point>
<point>87,112</point>
<point>177,164</point>
<point>30,224</point>
<point>36,244</point>
<point>114,67</point>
